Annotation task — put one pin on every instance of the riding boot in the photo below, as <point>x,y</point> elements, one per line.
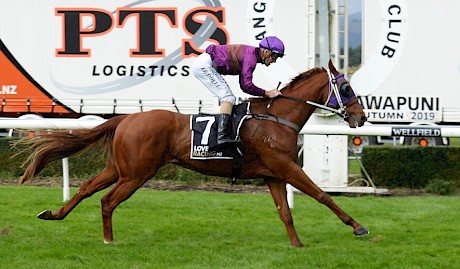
<point>224,130</point>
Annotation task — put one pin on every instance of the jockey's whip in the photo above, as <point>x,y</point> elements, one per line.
<point>271,100</point>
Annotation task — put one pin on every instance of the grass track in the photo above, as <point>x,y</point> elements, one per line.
<point>161,229</point>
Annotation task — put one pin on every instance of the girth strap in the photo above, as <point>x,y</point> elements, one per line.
<point>276,119</point>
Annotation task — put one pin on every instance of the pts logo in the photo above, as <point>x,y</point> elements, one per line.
<point>103,22</point>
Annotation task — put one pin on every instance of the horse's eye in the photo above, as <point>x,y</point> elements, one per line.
<point>345,90</point>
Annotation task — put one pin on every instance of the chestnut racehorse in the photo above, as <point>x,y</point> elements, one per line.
<point>137,145</point>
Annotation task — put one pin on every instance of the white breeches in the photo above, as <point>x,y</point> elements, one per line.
<point>204,70</point>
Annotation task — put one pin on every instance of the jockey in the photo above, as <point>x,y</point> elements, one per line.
<point>238,60</point>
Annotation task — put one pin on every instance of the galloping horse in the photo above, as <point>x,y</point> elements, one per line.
<point>137,145</point>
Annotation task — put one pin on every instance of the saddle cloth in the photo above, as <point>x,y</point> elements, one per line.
<point>204,134</point>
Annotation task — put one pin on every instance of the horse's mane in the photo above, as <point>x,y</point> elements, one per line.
<point>300,77</point>
<point>306,75</point>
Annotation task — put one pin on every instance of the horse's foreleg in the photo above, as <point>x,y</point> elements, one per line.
<point>104,179</point>
<point>278,191</point>
<point>297,178</point>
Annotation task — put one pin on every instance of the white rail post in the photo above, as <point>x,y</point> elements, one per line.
<point>290,195</point>
<point>65,179</point>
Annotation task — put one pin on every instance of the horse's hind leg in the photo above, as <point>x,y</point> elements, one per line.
<point>120,192</point>
<point>103,180</point>
<point>278,191</point>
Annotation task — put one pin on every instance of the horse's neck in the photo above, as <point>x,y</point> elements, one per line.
<point>297,111</point>
<point>309,87</point>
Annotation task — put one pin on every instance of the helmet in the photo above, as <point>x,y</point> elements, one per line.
<point>274,44</point>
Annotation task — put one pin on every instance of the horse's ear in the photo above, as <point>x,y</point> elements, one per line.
<point>332,68</point>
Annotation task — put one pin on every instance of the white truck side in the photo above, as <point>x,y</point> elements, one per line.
<point>411,65</point>
<point>73,58</point>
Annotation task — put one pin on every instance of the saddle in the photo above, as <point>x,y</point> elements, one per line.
<point>204,137</point>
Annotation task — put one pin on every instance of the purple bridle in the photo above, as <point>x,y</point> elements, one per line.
<point>340,94</point>
<point>345,95</point>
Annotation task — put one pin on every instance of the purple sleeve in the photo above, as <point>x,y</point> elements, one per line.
<point>246,83</point>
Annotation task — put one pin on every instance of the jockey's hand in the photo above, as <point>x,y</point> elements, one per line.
<point>272,93</point>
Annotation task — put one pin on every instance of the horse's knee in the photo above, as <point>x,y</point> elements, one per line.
<point>324,199</point>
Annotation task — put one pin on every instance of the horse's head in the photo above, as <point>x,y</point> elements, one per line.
<point>314,87</point>
<point>342,98</point>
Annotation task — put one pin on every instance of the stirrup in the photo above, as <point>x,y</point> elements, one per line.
<point>226,141</point>
<point>224,144</point>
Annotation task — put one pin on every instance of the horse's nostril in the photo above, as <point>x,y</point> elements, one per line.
<point>363,119</point>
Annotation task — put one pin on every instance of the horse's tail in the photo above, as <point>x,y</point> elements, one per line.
<point>56,145</point>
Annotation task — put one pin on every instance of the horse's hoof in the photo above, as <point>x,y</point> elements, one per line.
<point>360,232</point>
<point>108,242</point>
<point>298,245</point>
<point>45,214</point>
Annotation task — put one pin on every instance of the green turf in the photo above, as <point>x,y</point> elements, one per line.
<point>161,229</point>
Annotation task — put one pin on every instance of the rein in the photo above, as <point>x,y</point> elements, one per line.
<point>333,89</point>
<point>337,111</point>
